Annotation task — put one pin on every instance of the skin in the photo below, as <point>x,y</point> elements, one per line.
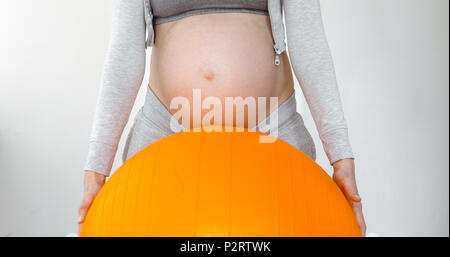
<point>224,55</point>
<point>345,179</point>
<point>93,183</point>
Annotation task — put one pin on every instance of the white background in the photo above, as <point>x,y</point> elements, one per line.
<point>391,59</point>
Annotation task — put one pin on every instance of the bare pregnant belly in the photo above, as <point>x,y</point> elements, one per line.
<point>219,55</point>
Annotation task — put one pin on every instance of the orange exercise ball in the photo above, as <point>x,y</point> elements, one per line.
<point>220,184</point>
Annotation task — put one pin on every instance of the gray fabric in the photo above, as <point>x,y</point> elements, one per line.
<point>170,10</point>
<point>125,65</point>
<point>160,20</point>
<point>122,76</point>
<point>276,21</point>
<point>152,123</point>
<point>313,66</point>
<point>167,8</point>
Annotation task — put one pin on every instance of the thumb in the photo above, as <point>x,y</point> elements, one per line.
<point>351,191</point>
<point>348,187</point>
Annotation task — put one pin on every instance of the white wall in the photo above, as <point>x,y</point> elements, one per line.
<point>392,63</point>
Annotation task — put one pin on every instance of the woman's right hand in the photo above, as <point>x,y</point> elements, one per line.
<point>93,183</point>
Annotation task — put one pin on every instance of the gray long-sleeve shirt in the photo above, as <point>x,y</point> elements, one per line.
<point>125,65</point>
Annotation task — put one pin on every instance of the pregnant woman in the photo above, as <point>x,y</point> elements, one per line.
<point>221,48</point>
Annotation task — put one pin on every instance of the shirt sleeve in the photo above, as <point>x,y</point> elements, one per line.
<point>122,77</point>
<point>313,66</point>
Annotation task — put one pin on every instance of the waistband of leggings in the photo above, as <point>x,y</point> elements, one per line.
<point>155,111</point>
<point>285,112</point>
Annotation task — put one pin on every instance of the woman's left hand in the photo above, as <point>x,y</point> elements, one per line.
<point>344,176</point>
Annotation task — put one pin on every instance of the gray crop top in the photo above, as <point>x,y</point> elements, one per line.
<point>132,32</point>
<point>171,10</point>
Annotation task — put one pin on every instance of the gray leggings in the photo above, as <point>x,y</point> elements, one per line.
<point>152,123</point>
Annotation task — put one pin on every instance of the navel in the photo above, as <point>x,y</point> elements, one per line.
<point>208,75</point>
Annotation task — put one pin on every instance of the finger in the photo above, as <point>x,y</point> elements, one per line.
<point>79,229</point>
<point>351,190</point>
<point>353,197</point>
<point>85,204</point>
<point>81,215</point>
<point>357,209</point>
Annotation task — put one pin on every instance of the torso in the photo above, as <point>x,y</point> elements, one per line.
<point>224,55</point>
